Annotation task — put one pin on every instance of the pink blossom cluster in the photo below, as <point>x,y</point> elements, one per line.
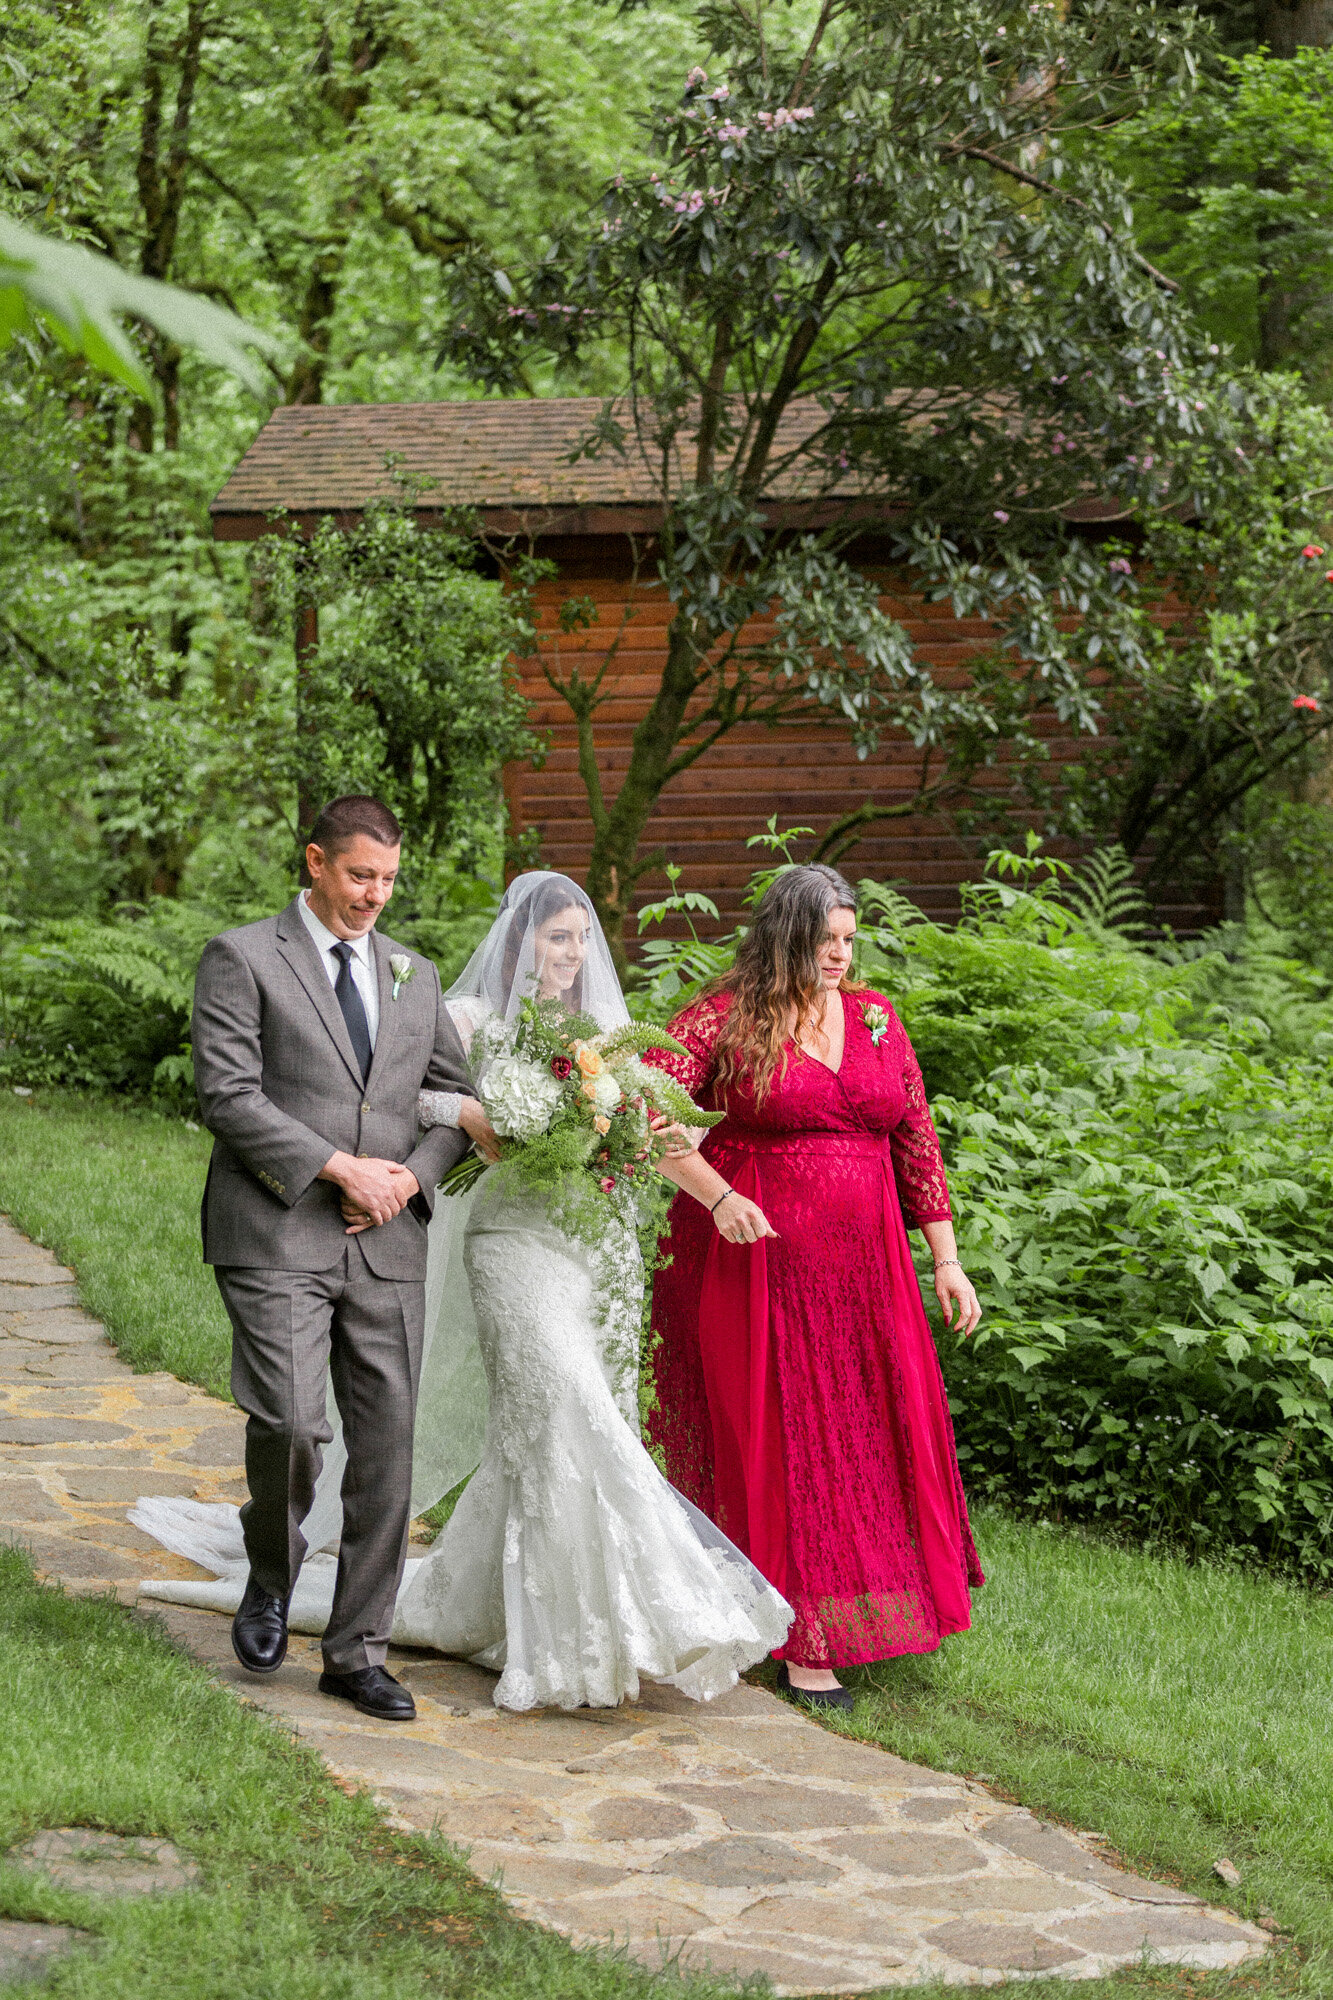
<point>773,121</point>
<point>689,204</point>
<point>731,133</point>
<point>1121,564</point>
<point>695,78</point>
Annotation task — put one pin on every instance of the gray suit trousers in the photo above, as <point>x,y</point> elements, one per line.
<point>293,1329</point>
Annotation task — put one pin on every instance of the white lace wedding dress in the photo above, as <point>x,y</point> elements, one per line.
<point>569,1566</point>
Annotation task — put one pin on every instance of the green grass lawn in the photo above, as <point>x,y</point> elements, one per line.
<point>1186,1713</point>
<point>115,1192</point>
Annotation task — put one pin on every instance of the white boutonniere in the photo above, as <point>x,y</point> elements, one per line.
<point>878,1023</point>
<point>402,968</point>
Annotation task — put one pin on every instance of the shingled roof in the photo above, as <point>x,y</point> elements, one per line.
<point>515,462</point>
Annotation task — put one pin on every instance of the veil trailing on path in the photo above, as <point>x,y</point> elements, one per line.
<point>545,937</point>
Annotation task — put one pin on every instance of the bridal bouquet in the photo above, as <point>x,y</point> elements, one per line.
<point>575,1108</point>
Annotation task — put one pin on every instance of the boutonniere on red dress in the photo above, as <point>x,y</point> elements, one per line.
<point>402,968</point>
<point>878,1023</point>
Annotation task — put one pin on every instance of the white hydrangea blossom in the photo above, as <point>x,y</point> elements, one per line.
<point>520,1098</point>
<point>605,1093</point>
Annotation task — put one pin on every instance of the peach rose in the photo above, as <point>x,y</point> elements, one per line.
<point>602,1125</point>
<point>587,1058</point>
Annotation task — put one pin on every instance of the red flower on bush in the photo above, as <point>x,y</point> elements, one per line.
<point>607,1185</point>
<point>1311,550</point>
<point>561,1066</point>
<point>1305,701</point>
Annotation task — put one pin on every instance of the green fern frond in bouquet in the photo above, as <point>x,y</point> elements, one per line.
<point>637,1038</point>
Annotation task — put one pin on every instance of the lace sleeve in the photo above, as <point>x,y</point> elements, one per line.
<point>696,1028</point>
<point>918,1165</point>
<point>438,1107</point>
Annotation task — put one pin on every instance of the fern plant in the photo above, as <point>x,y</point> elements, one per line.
<point>1105,897</point>
<point>103,1005</point>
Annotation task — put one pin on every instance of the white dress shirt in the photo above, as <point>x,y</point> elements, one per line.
<point>364,976</point>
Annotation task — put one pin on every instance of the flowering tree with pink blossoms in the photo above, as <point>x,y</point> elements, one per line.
<point>879,268</point>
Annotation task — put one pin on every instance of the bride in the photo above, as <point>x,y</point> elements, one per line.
<point>569,1565</point>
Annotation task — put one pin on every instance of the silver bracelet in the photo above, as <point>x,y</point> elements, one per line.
<point>942,1261</point>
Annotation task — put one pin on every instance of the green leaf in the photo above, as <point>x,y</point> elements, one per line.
<point>79,297</point>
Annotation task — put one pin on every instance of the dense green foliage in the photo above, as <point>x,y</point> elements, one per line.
<point>882,213</point>
<point>1233,196</point>
<point>316,168</point>
<point>409,695</point>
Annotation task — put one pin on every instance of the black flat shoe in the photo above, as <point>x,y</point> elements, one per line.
<point>839,1697</point>
<point>373,1691</point>
<point>259,1631</point>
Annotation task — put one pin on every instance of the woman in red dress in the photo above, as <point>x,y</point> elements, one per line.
<point>799,1397</point>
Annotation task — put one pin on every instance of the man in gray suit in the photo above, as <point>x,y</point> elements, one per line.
<point>312,1037</point>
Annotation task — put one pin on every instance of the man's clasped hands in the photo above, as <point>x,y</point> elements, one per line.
<point>375,1191</point>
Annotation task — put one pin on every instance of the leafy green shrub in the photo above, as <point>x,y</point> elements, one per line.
<point>1154,1254</point>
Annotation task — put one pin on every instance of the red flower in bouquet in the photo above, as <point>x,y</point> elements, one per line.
<point>561,1067</point>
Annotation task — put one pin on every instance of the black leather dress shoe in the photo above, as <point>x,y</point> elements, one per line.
<point>259,1630</point>
<point>373,1691</point>
<point>838,1697</point>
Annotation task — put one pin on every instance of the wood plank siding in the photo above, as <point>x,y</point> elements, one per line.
<point>806,773</point>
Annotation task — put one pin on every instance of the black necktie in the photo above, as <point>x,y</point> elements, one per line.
<point>354,1012</point>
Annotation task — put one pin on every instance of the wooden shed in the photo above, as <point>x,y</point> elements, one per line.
<point>516,464</point>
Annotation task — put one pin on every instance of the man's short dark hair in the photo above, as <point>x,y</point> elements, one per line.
<point>343,819</point>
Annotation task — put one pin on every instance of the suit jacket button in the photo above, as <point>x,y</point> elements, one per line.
<point>364,1109</point>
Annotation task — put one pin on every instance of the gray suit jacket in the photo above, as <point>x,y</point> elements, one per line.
<point>281,1092</point>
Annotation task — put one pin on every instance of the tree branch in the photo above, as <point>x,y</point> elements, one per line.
<point>1002,166</point>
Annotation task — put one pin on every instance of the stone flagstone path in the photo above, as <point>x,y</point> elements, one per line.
<point>738,1837</point>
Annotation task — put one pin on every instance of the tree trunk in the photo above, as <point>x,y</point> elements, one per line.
<point>162,180</point>
<point>306,382</point>
<point>1287,25</point>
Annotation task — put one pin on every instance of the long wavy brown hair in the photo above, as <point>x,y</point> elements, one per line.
<point>776,974</point>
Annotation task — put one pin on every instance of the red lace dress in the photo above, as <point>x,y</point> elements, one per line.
<point>799,1398</point>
